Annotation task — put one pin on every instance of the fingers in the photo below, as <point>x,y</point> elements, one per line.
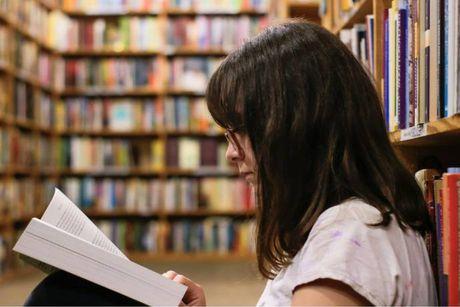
<point>170,275</point>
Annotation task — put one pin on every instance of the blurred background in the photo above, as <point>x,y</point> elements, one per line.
<point>104,99</point>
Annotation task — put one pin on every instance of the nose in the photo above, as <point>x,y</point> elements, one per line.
<point>232,154</point>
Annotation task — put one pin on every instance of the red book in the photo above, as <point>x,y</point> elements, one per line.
<point>451,190</point>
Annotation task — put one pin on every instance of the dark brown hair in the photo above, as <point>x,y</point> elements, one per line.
<point>316,127</point>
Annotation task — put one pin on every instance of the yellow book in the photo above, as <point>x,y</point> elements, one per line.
<point>158,154</point>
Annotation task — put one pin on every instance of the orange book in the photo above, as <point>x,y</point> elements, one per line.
<point>451,190</point>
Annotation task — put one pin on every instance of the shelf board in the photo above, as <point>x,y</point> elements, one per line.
<point>167,12</point>
<point>195,51</point>
<point>137,92</point>
<point>166,214</point>
<point>133,172</point>
<point>117,214</point>
<point>110,92</point>
<point>172,91</point>
<point>356,14</point>
<point>304,4</point>
<point>169,51</point>
<point>192,12</point>
<point>137,133</point>
<point>443,132</point>
<point>109,53</point>
<point>201,256</point>
<point>108,14</point>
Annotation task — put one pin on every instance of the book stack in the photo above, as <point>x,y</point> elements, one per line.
<point>19,197</point>
<point>113,6</point>
<point>155,196</point>
<point>24,101</point>
<point>119,34</point>
<point>46,111</point>
<point>30,14</point>
<point>113,73</point>
<point>20,149</point>
<point>442,194</point>
<point>211,235</point>
<point>205,32</point>
<point>420,62</point>
<point>192,73</point>
<point>360,40</point>
<point>188,114</point>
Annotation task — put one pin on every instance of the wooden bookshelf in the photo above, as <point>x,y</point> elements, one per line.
<point>39,132</point>
<point>191,257</point>
<point>169,51</point>
<point>443,132</point>
<point>170,12</point>
<point>356,14</point>
<point>25,32</point>
<point>100,92</point>
<point>122,214</point>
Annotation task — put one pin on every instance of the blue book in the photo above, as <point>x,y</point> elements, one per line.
<point>386,69</point>
<point>403,64</point>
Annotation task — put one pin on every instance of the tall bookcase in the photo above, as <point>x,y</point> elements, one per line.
<point>439,138</point>
<point>47,139</point>
<point>418,101</point>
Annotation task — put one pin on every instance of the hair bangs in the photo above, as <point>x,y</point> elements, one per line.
<point>224,96</point>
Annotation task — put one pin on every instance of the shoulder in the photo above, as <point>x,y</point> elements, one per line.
<point>344,245</point>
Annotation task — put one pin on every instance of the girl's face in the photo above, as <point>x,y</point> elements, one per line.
<point>239,152</point>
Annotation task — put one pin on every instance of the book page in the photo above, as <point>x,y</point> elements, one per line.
<point>64,214</point>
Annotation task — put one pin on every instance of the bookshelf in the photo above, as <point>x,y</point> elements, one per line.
<point>34,133</point>
<point>421,103</point>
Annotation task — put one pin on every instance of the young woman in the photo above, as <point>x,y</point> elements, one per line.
<point>340,220</point>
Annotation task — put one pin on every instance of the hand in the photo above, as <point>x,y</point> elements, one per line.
<point>194,296</point>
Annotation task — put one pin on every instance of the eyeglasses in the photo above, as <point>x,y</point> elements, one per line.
<point>233,140</point>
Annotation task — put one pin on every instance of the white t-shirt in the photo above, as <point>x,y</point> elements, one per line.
<point>387,266</point>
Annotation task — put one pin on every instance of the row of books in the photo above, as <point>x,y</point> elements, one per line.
<point>173,114</point>
<point>105,155</point>
<point>146,196</point>
<point>420,62</point>
<point>17,148</point>
<point>4,100</point>
<point>29,104</point>
<point>145,33</point>
<point>98,154</point>
<point>212,235</point>
<point>156,6</point>
<point>442,194</point>
<point>30,15</point>
<point>25,196</point>
<point>5,36</point>
<point>119,34</point>
<point>360,40</point>
<point>188,73</point>
<point>113,73</point>
<point>204,32</point>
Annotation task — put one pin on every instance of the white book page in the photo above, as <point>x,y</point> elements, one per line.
<point>64,214</point>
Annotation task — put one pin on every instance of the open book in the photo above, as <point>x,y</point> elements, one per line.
<point>66,239</point>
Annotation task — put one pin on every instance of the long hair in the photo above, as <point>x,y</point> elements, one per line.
<point>317,131</point>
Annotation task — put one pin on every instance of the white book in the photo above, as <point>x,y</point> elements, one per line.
<point>65,238</point>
